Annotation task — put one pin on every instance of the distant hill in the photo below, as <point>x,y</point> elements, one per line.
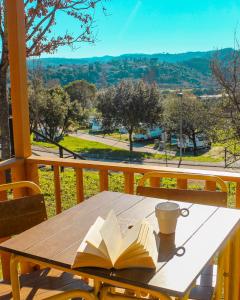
<point>190,69</point>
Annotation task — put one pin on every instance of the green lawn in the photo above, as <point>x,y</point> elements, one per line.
<point>91,187</point>
<point>101,150</point>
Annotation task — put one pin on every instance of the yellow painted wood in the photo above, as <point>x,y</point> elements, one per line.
<point>14,277</point>
<point>182,178</point>
<point>3,194</point>
<point>234,274</point>
<point>57,189</point>
<point>18,76</point>
<point>5,262</point>
<point>226,270</point>
<point>220,274</point>
<point>103,176</point>
<point>32,173</point>
<point>128,183</point>
<point>21,184</point>
<point>79,185</point>
<point>155,182</point>
<point>154,294</point>
<point>237,195</point>
<point>182,184</point>
<point>210,186</point>
<point>180,173</point>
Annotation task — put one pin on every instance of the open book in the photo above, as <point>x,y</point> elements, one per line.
<point>105,247</point>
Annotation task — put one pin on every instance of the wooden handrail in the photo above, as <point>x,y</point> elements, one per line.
<point>10,163</point>
<point>129,168</point>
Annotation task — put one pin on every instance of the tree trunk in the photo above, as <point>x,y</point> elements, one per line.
<point>4,105</point>
<point>130,141</point>
<point>4,113</point>
<point>194,144</point>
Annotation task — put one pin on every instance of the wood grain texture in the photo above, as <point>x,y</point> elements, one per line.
<point>200,197</point>
<point>202,233</point>
<point>57,189</point>
<point>79,185</point>
<point>128,183</point>
<point>103,179</point>
<point>21,214</point>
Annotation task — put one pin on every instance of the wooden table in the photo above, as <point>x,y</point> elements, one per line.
<point>202,234</point>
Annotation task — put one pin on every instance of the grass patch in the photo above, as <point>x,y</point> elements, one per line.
<point>102,151</point>
<point>91,187</point>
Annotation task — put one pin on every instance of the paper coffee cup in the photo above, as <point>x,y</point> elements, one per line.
<point>167,214</point>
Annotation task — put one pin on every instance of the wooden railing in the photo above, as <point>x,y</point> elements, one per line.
<point>128,170</point>
<point>29,169</point>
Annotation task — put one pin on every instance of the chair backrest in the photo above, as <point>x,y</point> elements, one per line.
<point>21,214</point>
<point>217,198</point>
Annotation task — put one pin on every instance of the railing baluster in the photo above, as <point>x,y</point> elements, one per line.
<point>103,176</point>
<point>182,184</point>
<point>5,258</point>
<point>237,195</point>
<point>79,185</point>
<point>155,182</point>
<point>210,186</point>
<point>57,186</point>
<point>129,183</point>
<point>5,262</point>
<point>3,195</point>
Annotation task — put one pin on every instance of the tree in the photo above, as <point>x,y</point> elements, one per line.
<point>83,92</point>
<point>227,74</point>
<point>130,104</point>
<point>36,96</point>
<point>195,117</point>
<point>41,17</point>
<point>56,113</point>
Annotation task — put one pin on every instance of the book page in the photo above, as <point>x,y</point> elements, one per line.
<point>112,237</point>
<point>94,237</point>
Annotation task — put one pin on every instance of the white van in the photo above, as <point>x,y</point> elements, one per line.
<point>201,142</point>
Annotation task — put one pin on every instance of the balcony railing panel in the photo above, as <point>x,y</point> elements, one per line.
<point>130,174</point>
<point>129,171</point>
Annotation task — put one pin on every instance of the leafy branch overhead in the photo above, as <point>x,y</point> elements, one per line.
<point>41,18</point>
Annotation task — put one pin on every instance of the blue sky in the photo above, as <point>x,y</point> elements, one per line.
<point>153,26</point>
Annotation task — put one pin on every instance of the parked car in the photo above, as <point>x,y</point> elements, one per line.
<point>96,126</point>
<point>201,142</point>
<point>148,134</point>
<point>122,130</point>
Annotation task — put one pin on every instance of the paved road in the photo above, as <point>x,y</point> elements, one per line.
<point>44,151</point>
<point>137,147</point>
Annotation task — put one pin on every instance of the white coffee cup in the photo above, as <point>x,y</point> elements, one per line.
<point>167,214</point>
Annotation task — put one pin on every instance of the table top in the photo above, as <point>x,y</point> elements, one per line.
<point>201,234</point>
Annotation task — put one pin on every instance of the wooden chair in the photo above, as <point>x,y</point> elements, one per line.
<point>215,198</point>
<point>205,284</point>
<point>19,215</point>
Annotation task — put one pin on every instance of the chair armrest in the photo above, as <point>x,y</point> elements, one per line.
<point>21,184</point>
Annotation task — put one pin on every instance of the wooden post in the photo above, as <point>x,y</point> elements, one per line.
<point>182,184</point>
<point>210,186</point>
<point>103,174</point>
<point>238,195</point>
<point>155,181</point>
<point>128,183</point>
<point>57,186</point>
<point>79,185</point>
<point>18,76</point>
